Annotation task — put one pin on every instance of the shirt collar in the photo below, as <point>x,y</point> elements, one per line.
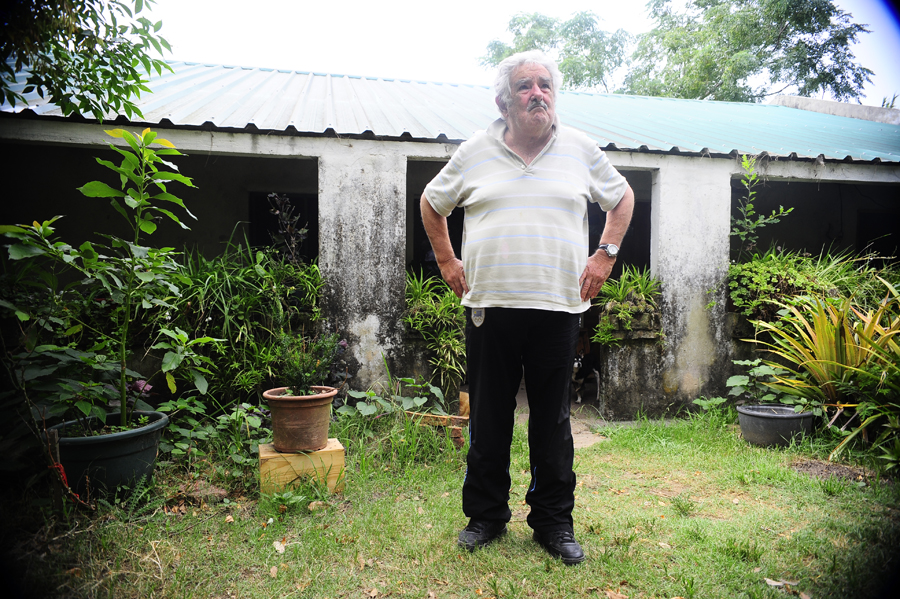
<point>497,129</point>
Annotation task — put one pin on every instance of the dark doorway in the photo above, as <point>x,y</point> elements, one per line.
<point>263,223</point>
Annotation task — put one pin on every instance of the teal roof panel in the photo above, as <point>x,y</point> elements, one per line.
<point>294,102</point>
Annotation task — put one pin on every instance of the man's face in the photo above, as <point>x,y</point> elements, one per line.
<point>531,110</point>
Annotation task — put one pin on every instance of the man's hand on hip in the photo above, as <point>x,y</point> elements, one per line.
<point>452,271</point>
<point>595,274</point>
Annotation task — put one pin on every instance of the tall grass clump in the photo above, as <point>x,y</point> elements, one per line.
<point>249,297</point>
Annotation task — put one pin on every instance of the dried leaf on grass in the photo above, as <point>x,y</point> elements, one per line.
<point>273,571</point>
<point>610,594</point>
<point>279,546</point>
<point>229,519</point>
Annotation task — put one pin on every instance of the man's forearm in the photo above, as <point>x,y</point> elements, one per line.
<point>451,267</point>
<point>438,234</point>
<point>600,264</point>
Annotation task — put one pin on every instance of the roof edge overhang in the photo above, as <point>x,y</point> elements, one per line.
<point>291,131</point>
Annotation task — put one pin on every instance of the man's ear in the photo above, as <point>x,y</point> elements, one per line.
<point>501,105</point>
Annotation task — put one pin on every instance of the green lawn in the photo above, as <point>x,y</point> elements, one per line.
<point>678,509</point>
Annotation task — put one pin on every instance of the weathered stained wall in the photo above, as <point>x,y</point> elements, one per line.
<point>363,234</point>
<point>690,211</point>
<point>690,244</point>
<point>362,229</point>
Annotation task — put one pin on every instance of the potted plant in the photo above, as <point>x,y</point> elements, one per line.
<point>770,417</point>
<point>93,320</point>
<point>301,410</point>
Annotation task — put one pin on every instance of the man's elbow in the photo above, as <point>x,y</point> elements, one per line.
<point>626,204</point>
<point>628,196</point>
<point>426,207</point>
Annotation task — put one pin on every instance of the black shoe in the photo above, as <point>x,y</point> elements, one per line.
<point>561,543</point>
<point>480,533</point>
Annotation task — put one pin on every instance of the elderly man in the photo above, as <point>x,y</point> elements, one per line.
<point>525,278</point>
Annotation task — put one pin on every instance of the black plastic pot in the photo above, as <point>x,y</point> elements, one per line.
<point>105,462</point>
<point>773,424</point>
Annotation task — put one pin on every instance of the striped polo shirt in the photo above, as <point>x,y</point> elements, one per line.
<point>525,234</point>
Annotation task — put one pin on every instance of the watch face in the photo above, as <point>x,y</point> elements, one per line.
<point>612,250</point>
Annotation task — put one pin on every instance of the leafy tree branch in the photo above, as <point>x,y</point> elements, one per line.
<point>87,56</point>
<point>730,50</point>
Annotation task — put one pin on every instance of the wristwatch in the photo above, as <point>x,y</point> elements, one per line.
<point>611,249</point>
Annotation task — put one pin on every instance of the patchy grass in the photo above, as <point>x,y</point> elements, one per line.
<point>679,509</point>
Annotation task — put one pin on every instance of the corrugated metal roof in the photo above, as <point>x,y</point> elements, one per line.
<point>241,98</point>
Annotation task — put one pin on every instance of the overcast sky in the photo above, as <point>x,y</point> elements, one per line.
<point>431,41</point>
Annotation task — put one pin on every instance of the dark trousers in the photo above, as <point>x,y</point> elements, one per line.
<point>542,343</point>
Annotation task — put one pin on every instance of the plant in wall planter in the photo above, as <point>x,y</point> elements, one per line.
<point>79,336</point>
<point>629,308</point>
<point>301,410</point>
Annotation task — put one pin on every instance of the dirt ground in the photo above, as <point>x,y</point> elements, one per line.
<point>824,470</point>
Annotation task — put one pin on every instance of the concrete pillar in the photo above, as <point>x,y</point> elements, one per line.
<point>362,245</point>
<point>689,254</point>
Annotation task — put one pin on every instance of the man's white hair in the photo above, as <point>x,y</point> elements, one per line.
<point>505,70</point>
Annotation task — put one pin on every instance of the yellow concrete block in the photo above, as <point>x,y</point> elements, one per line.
<point>280,471</point>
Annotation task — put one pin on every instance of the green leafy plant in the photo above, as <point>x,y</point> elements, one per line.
<point>306,362</point>
<point>401,394</point>
<point>844,359</point>
<point>753,387</point>
<point>248,297</point>
<point>876,382</point>
<point>188,431</point>
<point>413,394</point>
<point>819,342</point>
<point>434,311</point>
<point>286,501</point>
<point>758,286</point>
<point>86,55</point>
<point>238,435</point>
<point>134,278</point>
<point>229,441</point>
<point>710,403</point>
<point>634,295</point>
<point>746,227</point>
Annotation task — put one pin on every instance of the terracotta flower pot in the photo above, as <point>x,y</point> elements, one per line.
<point>300,422</point>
